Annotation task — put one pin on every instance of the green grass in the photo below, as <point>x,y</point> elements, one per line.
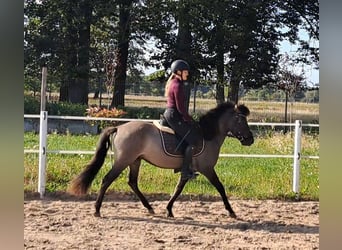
<point>247,178</point>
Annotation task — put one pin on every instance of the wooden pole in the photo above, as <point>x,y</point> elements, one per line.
<point>43,90</point>
<point>195,90</point>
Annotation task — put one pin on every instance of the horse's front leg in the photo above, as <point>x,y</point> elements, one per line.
<point>214,180</point>
<point>178,190</point>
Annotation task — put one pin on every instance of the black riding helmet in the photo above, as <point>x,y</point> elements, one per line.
<point>179,65</point>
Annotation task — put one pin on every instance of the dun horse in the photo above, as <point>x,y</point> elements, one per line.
<point>137,140</point>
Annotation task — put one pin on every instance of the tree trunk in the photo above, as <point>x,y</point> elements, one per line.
<point>79,88</point>
<point>70,63</point>
<point>74,87</point>
<point>121,55</point>
<point>219,63</point>
<point>63,91</point>
<point>233,94</point>
<point>78,93</point>
<point>220,83</point>
<point>183,47</point>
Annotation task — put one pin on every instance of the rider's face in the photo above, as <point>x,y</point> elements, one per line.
<point>185,74</point>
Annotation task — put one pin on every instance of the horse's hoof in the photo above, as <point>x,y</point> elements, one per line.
<point>97,214</point>
<point>151,211</point>
<point>170,215</point>
<point>233,215</point>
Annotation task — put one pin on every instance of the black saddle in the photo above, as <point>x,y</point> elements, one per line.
<point>173,144</point>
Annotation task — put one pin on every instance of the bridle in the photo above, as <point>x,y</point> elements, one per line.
<point>237,135</point>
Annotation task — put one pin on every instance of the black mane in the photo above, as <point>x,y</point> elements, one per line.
<point>209,121</point>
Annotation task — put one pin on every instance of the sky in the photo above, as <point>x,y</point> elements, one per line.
<point>311,74</point>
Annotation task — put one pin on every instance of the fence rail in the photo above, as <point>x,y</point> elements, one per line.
<point>87,152</point>
<point>87,118</point>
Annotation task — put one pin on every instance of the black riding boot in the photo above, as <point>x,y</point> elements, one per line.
<point>186,171</point>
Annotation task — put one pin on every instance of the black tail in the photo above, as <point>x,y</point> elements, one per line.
<point>81,183</point>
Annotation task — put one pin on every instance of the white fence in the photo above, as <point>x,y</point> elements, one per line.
<point>296,156</point>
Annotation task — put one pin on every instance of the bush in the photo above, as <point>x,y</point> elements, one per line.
<point>143,112</point>
<point>105,113</point>
<point>65,108</point>
<point>32,106</point>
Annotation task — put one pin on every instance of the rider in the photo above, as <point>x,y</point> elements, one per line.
<point>177,116</point>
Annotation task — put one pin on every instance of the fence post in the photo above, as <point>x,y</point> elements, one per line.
<point>42,153</point>
<point>42,136</point>
<point>297,155</point>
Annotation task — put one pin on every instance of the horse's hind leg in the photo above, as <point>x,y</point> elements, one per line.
<point>107,180</point>
<point>133,183</point>
<point>178,190</point>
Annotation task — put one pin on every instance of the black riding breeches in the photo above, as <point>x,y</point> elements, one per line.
<point>189,132</point>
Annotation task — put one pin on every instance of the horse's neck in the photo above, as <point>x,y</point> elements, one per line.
<point>217,141</point>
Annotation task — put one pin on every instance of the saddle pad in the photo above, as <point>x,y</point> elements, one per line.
<point>170,143</point>
<point>163,128</point>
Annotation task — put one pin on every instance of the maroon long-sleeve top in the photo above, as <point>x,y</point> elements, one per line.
<point>176,98</point>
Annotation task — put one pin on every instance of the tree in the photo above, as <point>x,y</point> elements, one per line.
<point>40,43</point>
<point>253,50</point>
<point>216,36</point>
<point>227,43</point>
<point>77,85</point>
<point>184,41</point>
<point>60,30</point>
<point>288,81</point>
<point>121,56</point>
<point>296,15</point>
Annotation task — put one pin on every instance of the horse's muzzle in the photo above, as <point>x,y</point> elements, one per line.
<point>247,141</point>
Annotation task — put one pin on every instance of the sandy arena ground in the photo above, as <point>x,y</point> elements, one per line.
<point>62,222</point>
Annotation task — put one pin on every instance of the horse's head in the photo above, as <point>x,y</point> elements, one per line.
<point>227,119</point>
<point>238,125</point>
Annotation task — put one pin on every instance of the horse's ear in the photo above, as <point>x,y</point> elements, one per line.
<point>242,109</point>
